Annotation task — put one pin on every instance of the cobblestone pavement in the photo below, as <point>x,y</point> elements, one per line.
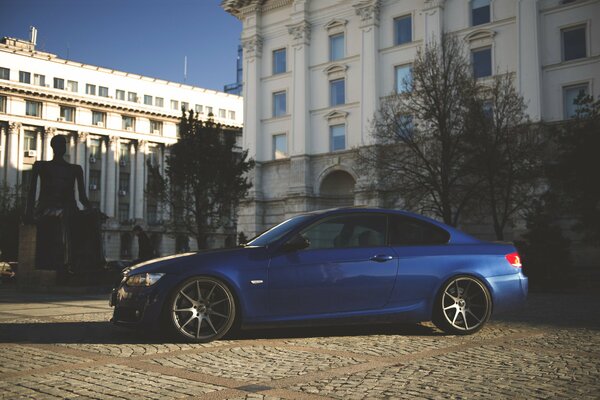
<point>55,347</point>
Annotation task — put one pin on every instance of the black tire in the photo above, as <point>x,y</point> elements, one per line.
<point>462,306</point>
<point>200,309</point>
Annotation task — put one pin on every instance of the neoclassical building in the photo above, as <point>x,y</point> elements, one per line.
<point>117,124</point>
<point>314,72</point>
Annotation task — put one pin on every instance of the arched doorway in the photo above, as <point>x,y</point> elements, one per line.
<point>337,190</point>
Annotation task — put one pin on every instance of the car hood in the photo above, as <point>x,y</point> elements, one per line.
<point>176,262</point>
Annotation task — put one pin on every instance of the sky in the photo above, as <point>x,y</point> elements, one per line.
<point>146,37</point>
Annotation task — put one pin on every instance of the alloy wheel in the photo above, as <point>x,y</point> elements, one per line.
<point>466,304</point>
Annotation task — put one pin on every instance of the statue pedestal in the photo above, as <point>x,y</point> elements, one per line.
<point>27,276</point>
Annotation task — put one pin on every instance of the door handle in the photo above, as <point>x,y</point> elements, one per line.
<point>381,258</point>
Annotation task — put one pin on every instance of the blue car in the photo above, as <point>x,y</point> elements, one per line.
<point>327,266</point>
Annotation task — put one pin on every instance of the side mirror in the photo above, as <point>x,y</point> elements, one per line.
<point>298,242</point>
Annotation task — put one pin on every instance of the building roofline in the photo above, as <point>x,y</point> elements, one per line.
<point>54,58</point>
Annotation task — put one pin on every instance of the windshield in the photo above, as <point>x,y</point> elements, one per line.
<point>278,231</point>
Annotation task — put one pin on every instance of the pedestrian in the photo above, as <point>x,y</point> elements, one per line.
<point>145,248</point>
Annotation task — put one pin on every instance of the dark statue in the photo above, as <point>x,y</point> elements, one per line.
<point>67,239</point>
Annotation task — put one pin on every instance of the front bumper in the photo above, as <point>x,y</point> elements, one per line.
<point>138,306</point>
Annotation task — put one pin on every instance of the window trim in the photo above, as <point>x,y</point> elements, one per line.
<point>331,149</point>
<point>395,71</point>
<point>274,149</point>
<point>40,107</point>
<point>477,49</point>
<point>343,79</point>
<point>470,11</point>
<point>284,49</point>
<point>285,111</point>
<point>330,37</point>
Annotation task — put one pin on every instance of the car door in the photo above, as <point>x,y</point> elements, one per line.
<point>346,267</point>
<point>422,252</point>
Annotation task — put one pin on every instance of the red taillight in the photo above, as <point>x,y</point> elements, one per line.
<point>514,259</point>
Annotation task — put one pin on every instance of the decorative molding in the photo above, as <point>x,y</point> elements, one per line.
<point>368,10</point>
<point>300,33</point>
<point>336,26</point>
<point>480,34</point>
<point>49,131</point>
<point>82,136</point>
<point>141,144</point>
<point>113,139</point>
<point>15,127</point>
<point>252,46</point>
<point>335,69</point>
<point>431,4</point>
<point>336,115</point>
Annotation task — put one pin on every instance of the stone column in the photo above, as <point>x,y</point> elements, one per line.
<point>3,151</point>
<point>110,192</point>
<point>369,25</point>
<point>20,155</point>
<point>103,163</point>
<point>12,167</point>
<point>49,133</point>
<point>80,151</point>
<point>38,145</point>
<point>528,62</point>
<point>132,166</point>
<point>140,179</point>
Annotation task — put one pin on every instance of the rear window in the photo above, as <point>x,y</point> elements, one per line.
<point>406,231</point>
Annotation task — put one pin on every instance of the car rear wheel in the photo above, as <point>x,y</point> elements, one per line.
<point>201,309</point>
<point>463,306</point>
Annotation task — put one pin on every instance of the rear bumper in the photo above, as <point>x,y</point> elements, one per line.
<point>508,291</point>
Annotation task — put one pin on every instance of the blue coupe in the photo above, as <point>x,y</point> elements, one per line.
<point>327,266</point>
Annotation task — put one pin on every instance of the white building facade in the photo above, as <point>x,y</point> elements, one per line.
<point>315,72</point>
<point>117,124</point>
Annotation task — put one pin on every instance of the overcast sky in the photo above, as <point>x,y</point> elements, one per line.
<point>147,37</point>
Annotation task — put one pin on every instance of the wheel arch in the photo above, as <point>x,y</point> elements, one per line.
<point>456,274</point>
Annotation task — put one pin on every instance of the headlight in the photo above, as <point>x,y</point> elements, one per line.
<point>143,279</point>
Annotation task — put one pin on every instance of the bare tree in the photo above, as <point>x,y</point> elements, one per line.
<point>507,152</point>
<point>419,134</point>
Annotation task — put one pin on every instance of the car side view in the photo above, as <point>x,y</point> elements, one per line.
<point>327,266</point>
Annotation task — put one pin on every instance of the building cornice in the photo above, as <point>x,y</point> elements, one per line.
<point>240,8</point>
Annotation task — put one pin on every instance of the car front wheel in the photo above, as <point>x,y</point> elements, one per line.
<point>201,309</point>
<point>463,306</point>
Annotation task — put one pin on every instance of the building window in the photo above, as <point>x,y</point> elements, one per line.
<point>222,113</point>
<point>156,127</point>
<point>123,181</point>
<point>128,123</point>
<point>94,150</point>
<point>125,243</point>
<point>102,91</point>
<point>185,105</point>
<point>4,73</point>
<point>209,111</point>
<point>231,114</point>
<point>279,146</point>
<point>153,156</point>
<point>337,92</point>
<point>94,179</point>
<point>402,30</point>
<point>199,109</point>
<point>570,94</point>
<point>123,217</point>
<point>159,102</point>
<point>574,43</point>
<point>480,12</point>
<point>152,214</point>
<point>124,160</point>
<point>90,89</point>
<point>39,80</point>
<point>279,104</point>
<point>279,61</point>
<point>403,76</point>
<point>24,77</point>
<point>98,118</point>
<point>72,86</point>
<point>30,141</point>
<point>120,94</point>
<point>59,83</point>
<point>482,62</point>
<point>132,96</point>
<point>336,47</point>
<point>406,126</point>
<point>147,100</point>
<point>174,105</point>
<point>67,113</point>
<point>33,108</point>
<point>3,104</point>
<point>337,137</point>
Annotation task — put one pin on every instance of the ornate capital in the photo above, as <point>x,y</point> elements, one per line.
<point>82,136</point>
<point>141,144</point>
<point>49,131</point>
<point>368,10</point>
<point>15,127</point>
<point>252,46</point>
<point>113,139</point>
<point>300,33</point>
<point>430,4</point>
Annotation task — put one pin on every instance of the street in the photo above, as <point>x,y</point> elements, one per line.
<point>54,346</point>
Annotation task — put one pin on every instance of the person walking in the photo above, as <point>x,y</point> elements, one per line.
<point>145,248</point>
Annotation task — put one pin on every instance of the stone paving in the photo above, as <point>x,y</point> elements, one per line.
<point>56,347</point>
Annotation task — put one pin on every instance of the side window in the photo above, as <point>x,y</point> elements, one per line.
<point>405,231</point>
<point>363,230</point>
